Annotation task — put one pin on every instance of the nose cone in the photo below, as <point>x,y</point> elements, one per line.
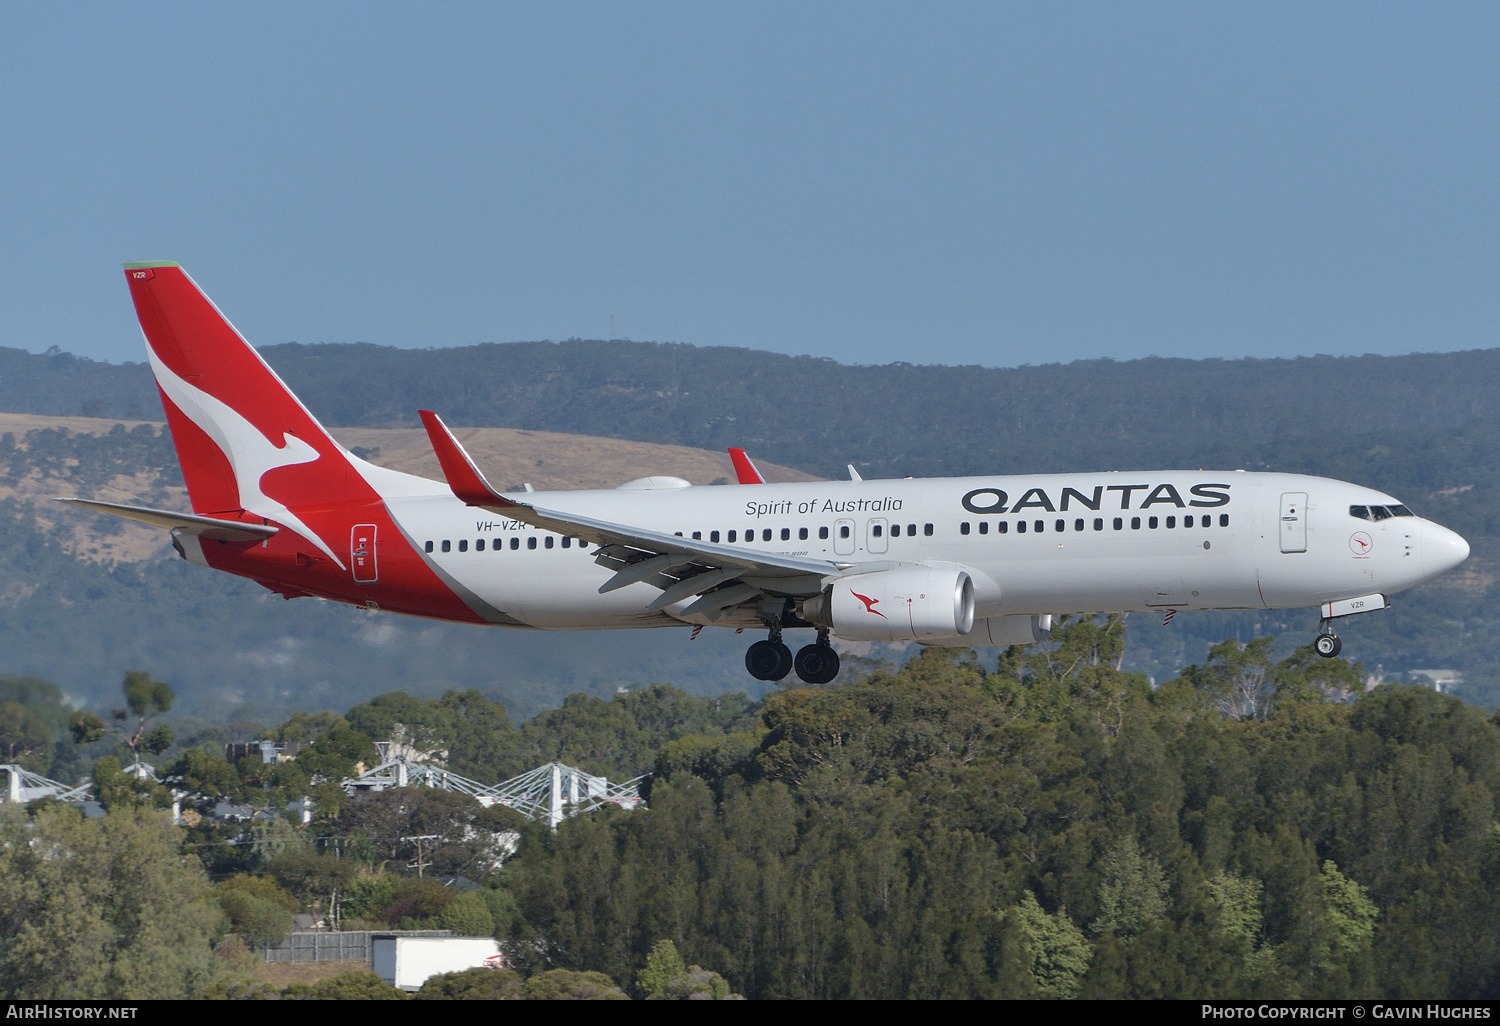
<point>1442,549</point>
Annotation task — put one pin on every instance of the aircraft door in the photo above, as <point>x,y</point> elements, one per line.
<point>362,554</point>
<point>875,535</point>
<point>1293,521</point>
<point>843,537</point>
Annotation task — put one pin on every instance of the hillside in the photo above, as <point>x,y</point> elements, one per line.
<point>817,415</point>
<point>1422,427</point>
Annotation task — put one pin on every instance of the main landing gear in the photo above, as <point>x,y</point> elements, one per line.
<point>1327,643</point>
<point>817,663</point>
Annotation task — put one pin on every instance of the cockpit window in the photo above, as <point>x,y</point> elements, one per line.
<point>1363,512</point>
<point>1380,512</point>
<point>1400,511</point>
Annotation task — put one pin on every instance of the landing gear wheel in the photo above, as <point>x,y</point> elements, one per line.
<point>1328,645</point>
<point>768,660</point>
<point>817,664</point>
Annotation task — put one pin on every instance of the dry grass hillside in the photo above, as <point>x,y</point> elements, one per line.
<point>510,458</point>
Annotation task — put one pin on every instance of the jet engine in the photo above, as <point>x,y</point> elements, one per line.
<point>907,604</point>
<point>1000,630</point>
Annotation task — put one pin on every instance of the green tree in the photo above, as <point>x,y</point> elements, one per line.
<point>1351,917</point>
<point>359,985</point>
<point>479,984</point>
<point>468,914</point>
<point>1237,904</point>
<point>570,985</point>
<point>145,699</point>
<point>114,788</point>
<point>102,908</point>
<point>25,737</point>
<point>318,878</point>
<point>1132,890</point>
<point>1059,952</point>
<point>255,919</point>
<point>662,966</point>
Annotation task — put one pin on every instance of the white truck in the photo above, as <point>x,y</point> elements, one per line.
<point>407,962</point>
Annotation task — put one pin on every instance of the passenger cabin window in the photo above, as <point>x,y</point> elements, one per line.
<point>1020,527</point>
<point>1223,519</point>
<point>823,533</point>
<point>1151,523</point>
<point>697,536</point>
<point>568,542</point>
<point>515,543</point>
<point>1002,527</point>
<point>765,535</point>
<point>1171,522</point>
<point>463,545</point>
<point>786,534</point>
<point>895,530</point>
<point>1039,526</point>
<point>531,542</point>
<point>447,545</point>
<point>911,530</point>
<point>802,533</point>
<point>963,528</point>
<point>1078,524</point>
<point>984,527</point>
<point>713,536</point>
<point>927,530</point>
<point>1098,523</point>
<point>1060,526</point>
<point>479,545</point>
<point>843,530</point>
<point>428,546</point>
<point>876,531</point>
<point>1135,523</point>
<point>549,541</point>
<point>732,536</point>
<point>1119,523</point>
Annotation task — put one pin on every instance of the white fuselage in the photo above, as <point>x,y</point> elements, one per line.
<point>1078,543</point>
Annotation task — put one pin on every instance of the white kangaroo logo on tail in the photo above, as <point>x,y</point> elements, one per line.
<point>250,454</point>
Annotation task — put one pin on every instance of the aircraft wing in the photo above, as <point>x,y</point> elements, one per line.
<point>681,567</point>
<point>185,523</point>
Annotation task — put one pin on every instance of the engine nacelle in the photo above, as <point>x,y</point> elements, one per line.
<point>1001,631</point>
<point>907,604</point>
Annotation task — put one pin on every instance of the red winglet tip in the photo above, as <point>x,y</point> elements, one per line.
<point>463,476</point>
<point>743,468</point>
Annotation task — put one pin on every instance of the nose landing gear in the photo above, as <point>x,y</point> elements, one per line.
<point>1327,643</point>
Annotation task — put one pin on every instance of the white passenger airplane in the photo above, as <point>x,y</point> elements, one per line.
<point>972,561</point>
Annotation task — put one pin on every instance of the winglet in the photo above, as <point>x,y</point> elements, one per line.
<point>743,468</point>
<point>462,475</point>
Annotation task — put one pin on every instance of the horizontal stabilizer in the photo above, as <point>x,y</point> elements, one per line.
<point>186,523</point>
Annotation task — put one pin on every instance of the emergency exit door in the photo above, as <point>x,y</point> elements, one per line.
<point>362,554</point>
<point>1293,521</point>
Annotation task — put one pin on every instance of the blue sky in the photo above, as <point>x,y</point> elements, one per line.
<point>935,183</point>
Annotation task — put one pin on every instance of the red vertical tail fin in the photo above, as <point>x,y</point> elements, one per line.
<point>245,442</point>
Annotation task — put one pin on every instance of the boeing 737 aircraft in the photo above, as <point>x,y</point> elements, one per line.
<point>973,561</point>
